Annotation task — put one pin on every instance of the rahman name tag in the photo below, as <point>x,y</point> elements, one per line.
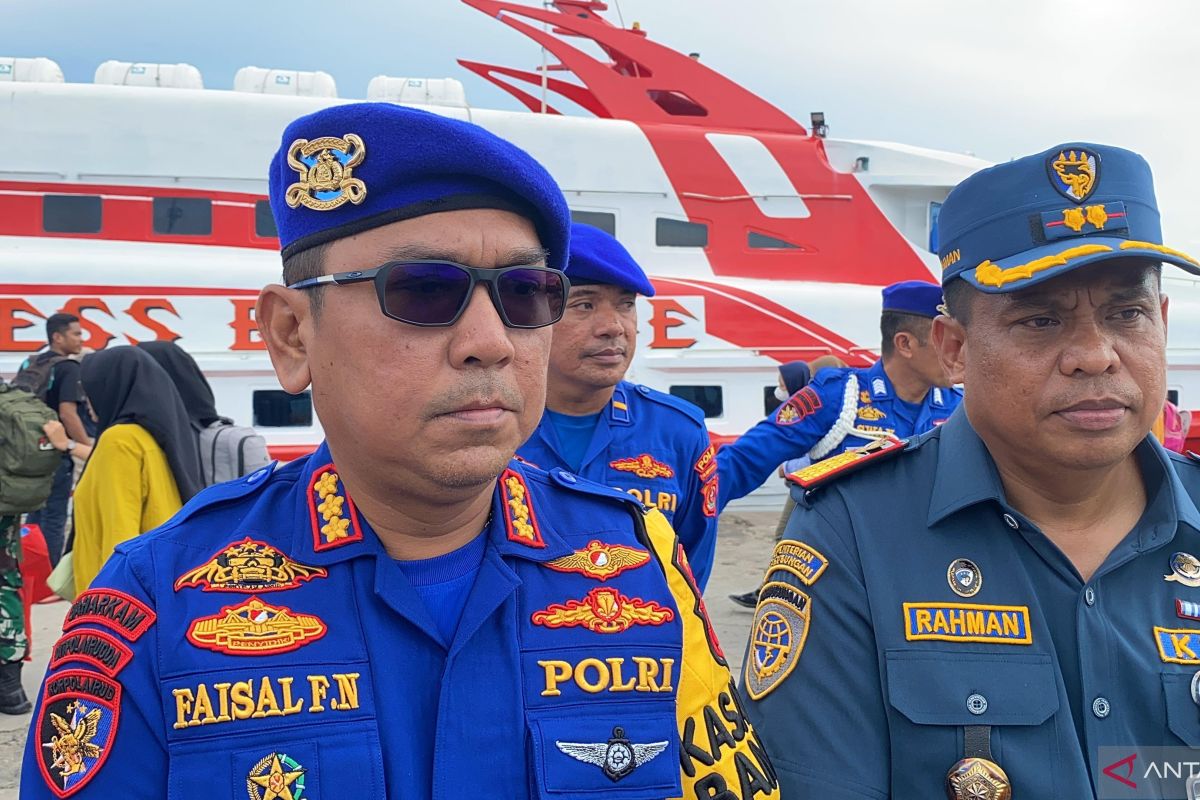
<point>967,622</point>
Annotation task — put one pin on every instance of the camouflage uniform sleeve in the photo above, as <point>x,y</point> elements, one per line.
<point>812,680</point>
<point>790,432</point>
<point>720,752</point>
<point>696,520</point>
<point>97,727</point>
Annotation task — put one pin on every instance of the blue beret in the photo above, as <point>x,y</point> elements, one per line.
<point>353,167</point>
<point>913,297</point>
<point>1018,224</point>
<point>597,257</point>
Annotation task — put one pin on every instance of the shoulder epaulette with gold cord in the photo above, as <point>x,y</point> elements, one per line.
<point>842,464</point>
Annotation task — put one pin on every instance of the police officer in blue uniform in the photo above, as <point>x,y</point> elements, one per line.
<point>1010,607</point>
<point>407,612</point>
<point>653,445</point>
<point>905,393</point>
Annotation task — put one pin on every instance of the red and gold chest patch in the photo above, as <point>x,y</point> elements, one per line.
<point>334,517</point>
<point>519,518</point>
<point>603,610</point>
<point>601,561</point>
<point>249,566</point>
<point>255,628</point>
<point>643,466</point>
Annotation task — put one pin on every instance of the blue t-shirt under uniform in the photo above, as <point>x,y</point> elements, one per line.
<point>444,582</point>
<point>574,435</point>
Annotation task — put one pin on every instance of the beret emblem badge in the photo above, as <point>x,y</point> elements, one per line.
<point>325,167</point>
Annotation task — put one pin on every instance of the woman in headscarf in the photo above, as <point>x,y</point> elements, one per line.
<point>144,464</point>
<point>189,381</point>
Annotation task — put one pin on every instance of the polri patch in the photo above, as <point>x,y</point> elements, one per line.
<point>967,622</point>
<point>603,610</point>
<point>255,628</point>
<point>1178,645</point>
<point>600,560</point>
<point>97,648</point>
<point>643,466</point>
<point>248,566</point>
<point>76,728</point>
<point>706,464</point>
<point>520,520</point>
<point>777,636</point>
<point>798,559</point>
<point>113,609</point>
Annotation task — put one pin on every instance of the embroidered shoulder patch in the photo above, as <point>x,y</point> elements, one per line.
<point>846,462</point>
<point>800,405</point>
<point>97,648</point>
<point>248,566</point>
<point>332,512</point>
<point>600,560</point>
<point>798,559</point>
<point>76,728</point>
<point>777,636</point>
<point>967,622</point>
<point>1178,645</point>
<point>708,494</point>
<point>519,518</point>
<point>706,464</point>
<point>113,609</point>
<point>255,628</point>
<point>603,610</point>
<point>643,466</point>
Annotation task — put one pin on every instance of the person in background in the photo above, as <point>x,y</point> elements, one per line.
<point>13,636</point>
<point>600,426</point>
<point>193,387</point>
<point>144,465</point>
<point>64,395</point>
<point>793,376</point>
<point>1171,427</point>
<point>905,393</point>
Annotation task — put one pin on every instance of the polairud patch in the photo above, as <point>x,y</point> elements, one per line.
<point>76,728</point>
<point>777,636</point>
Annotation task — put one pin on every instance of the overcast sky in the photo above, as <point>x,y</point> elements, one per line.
<point>997,79</point>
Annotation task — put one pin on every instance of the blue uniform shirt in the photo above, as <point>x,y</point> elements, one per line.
<point>897,663</point>
<point>656,447</point>
<point>839,409</point>
<point>263,640</point>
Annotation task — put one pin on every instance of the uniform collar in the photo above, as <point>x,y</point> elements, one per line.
<point>620,411</point>
<point>522,524</point>
<point>966,475</point>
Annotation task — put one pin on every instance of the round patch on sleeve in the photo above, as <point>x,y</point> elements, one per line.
<point>777,636</point>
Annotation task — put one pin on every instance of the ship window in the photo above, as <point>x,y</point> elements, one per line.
<point>601,219</point>
<point>183,216</point>
<point>677,233</point>
<point>676,103</point>
<point>935,209</point>
<point>1173,396</point>
<point>71,213</point>
<point>770,402</point>
<point>264,222</point>
<point>275,408</point>
<point>764,242</point>
<point>710,399</point>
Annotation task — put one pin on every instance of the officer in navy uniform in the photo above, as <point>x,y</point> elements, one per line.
<point>903,394</point>
<point>408,612</point>
<point>1010,606</point>
<point>653,445</point>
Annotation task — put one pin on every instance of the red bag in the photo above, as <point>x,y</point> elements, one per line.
<point>35,568</point>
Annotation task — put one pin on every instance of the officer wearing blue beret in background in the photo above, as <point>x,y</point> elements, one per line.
<point>1011,605</point>
<point>408,612</point>
<point>653,445</point>
<point>905,393</point>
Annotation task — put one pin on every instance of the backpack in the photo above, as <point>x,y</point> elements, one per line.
<point>229,451</point>
<point>27,459</point>
<point>36,372</point>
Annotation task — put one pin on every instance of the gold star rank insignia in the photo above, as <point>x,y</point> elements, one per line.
<point>276,777</point>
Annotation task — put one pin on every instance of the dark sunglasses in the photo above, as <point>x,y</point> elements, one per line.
<point>435,293</point>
